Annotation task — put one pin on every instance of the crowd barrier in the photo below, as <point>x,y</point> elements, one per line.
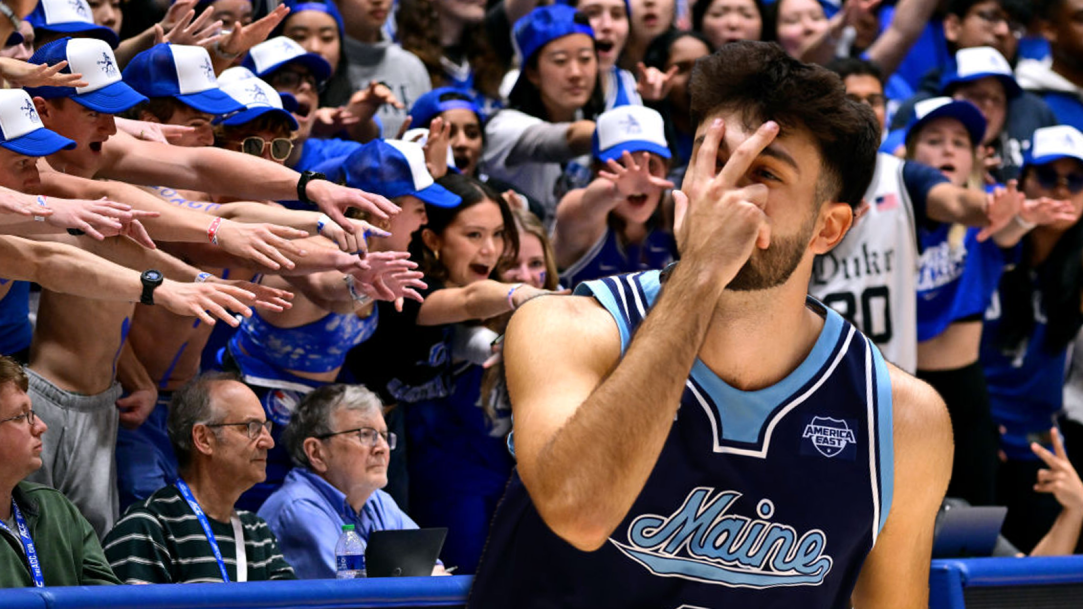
<point>399,592</point>
<point>979,583</point>
<point>1033,583</point>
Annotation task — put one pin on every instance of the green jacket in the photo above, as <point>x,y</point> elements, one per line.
<point>67,547</point>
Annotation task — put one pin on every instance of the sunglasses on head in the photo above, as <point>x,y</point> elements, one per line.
<point>1049,179</point>
<point>281,147</point>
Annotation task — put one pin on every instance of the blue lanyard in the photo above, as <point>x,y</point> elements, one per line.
<point>28,545</point>
<point>203,522</point>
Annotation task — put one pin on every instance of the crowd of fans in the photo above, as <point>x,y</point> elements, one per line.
<point>328,210</point>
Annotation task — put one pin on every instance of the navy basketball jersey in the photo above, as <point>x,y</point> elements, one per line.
<point>769,498</point>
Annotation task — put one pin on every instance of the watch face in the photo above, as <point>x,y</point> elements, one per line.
<point>152,275</point>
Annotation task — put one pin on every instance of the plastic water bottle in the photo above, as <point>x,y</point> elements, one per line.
<point>349,554</point>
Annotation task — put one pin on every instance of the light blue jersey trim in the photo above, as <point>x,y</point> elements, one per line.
<point>743,425</point>
<point>628,298</point>
<point>885,432</point>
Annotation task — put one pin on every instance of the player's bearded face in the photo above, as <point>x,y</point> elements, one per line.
<point>771,267</point>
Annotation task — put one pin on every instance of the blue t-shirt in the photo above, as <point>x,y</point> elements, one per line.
<point>15,329</point>
<point>306,515</point>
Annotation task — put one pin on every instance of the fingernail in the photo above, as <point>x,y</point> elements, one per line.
<point>716,122</point>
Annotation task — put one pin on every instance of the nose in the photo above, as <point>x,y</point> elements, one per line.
<point>106,124</point>
<point>265,439</point>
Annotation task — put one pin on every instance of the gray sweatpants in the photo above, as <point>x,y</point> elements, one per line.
<point>79,447</point>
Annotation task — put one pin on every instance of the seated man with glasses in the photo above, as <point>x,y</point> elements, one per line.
<point>46,541</point>
<point>187,531</point>
<point>340,443</point>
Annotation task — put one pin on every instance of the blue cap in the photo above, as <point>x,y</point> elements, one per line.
<point>184,73</point>
<point>299,6</point>
<point>70,17</point>
<point>975,63</point>
<point>21,130</point>
<point>394,168</point>
<point>267,57</point>
<point>928,110</point>
<point>629,129</point>
<point>543,25</point>
<point>1052,143</point>
<point>429,105</point>
<point>106,92</point>
<point>256,97</point>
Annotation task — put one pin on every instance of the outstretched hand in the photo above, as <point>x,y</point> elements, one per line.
<point>1001,206</point>
<point>653,84</point>
<point>1061,480</point>
<point>631,178</point>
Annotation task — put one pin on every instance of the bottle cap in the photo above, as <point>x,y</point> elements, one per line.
<point>347,527</point>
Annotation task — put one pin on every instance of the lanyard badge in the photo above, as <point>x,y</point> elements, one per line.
<point>28,545</point>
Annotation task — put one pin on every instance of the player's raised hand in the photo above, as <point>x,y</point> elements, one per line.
<point>718,222</point>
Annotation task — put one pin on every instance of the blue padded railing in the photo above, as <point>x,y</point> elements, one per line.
<point>949,579</point>
<point>399,592</point>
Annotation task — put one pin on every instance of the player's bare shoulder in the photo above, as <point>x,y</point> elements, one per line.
<point>919,413</point>
<point>575,327</point>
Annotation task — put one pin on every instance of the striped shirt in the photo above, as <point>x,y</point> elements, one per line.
<point>160,541</point>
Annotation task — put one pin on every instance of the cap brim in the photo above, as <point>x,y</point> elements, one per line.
<point>438,195</point>
<point>964,112</point>
<point>615,152</point>
<point>86,29</point>
<point>113,99</point>
<point>1011,88</point>
<point>315,64</point>
<point>250,114</point>
<point>39,142</point>
<point>1047,159</point>
<point>211,101</point>
<point>289,102</point>
<point>14,39</point>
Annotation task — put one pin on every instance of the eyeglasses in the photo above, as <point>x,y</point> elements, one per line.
<point>252,428</point>
<point>876,100</point>
<point>367,435</point>
<point>281,147</point>
<point>29,415</point>
<point>1049,179</point>
<point>995,17</point>
<point>291,80</point>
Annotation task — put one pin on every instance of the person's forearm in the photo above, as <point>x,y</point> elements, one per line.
<point>950,203</point>
<point>580,215</point>
<point>128,253</point>
<point>64,268</point>
<point>891,47</point>
<point>479,300</point>
<point>608,448</point>
<point>133,46</point>
<point>326,290</point>
<point>228,173</point>
<point>543,143</point>
<point>1062,536</point>
<point>131,374</point>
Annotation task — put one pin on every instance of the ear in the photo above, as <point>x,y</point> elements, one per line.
<point>148,117</point>
<point>835,220</point>
<point>42,108</point>
<point>952,26</point>
<point>203,440</point>
<point>314,450</point>
<point>431,240</point>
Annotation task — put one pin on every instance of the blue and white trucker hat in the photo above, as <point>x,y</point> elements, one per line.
<point>268,56</point>
<point>629,128</point>
<point>928,110</point>
<point>70,17</point>
<point>255,95</point>
<point>1052,143</point>
<point>106,92</point>
<point>21,129</point>
<point>182,72</point>
<point>394,168</point>
<point>976,63</point>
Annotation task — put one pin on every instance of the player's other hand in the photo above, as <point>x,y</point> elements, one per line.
<point>718,222</point>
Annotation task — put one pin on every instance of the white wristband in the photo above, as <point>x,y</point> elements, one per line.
<point>357,297</point>
<point>202,277</point>
<point>1023,224</point>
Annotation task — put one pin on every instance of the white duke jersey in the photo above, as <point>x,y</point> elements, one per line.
<point>871,277</point>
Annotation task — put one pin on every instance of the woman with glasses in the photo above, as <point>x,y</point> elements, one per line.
<point>340,447</point>
<point>1035,314</point>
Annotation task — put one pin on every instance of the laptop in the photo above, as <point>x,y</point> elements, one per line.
<point>967,531</point>
<point>404,552</point>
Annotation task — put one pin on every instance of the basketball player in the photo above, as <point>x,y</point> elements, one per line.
<point>708,436</point>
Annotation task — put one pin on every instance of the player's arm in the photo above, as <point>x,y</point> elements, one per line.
<point>229,173</point>
<point>588,428</point>
<point>896,572</point>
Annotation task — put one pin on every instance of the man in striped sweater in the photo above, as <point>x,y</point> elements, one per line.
<point>187,531</point>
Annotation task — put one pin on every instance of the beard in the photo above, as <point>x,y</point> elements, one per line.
<point>769,268</point>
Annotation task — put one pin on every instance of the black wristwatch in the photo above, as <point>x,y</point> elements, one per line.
<point>151,279</point>
<point>302,185</point>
